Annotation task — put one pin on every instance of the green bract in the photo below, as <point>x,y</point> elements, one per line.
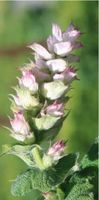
<point>43,122</point>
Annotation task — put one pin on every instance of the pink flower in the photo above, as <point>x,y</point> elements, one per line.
<point>67,76</point>
<point>71,34</point>
<point>56,150</point>
<point>28,80</point>
<point>54,153</point>
<point>55,109</point>
<point>20,127</point>
<point>63,43</point>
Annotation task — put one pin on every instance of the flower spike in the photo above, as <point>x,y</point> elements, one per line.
<point>39,107</point>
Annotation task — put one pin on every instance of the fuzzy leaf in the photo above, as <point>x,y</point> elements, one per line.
<point>34,195</point>
<point>23,152</point>
<point>43,181</point>
<point>46,122</point>
<point>91,159</point>
<point>80,188</point>
<point>81,192</point>
<point>82,185</point>
<point>22,185</point>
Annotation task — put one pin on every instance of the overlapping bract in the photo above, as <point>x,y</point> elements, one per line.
<point>39,109</point>
<point>44,84</point>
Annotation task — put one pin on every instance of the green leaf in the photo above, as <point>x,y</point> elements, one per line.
<point>54,90</point>
<point>81,192</point>
<point>91,158</point>
<point>23,152</point>
<point>22,185</point>
<point>79,188</point>
<point>61,170</point>
<point>82,185</point>
<point>46,122</point>
<point>34,195</point>
<point>44,180</point>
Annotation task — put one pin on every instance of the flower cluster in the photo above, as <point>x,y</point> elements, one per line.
<point>43,87</point>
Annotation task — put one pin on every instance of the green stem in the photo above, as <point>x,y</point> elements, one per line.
<point>37,158</point>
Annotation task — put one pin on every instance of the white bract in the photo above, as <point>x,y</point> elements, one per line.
<point>57,65</point>
<point>54,90</point>
<point>42,123</point>
<point>41,51</point>
<point>63,48</point>
<point>25,99</point>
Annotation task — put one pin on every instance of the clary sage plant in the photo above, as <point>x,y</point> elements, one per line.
<point>39,107</point>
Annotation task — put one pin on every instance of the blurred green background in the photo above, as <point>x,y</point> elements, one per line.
<point>22,22</point>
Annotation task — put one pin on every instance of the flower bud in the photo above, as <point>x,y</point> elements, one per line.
<point>71,34</point>
<point>55,109</point>
<point>63,43</point>
<point>50,43</point>
<point>56,37</point>
<point>28,81</point>
<point>20,127</point>
<point>41,51</point>
<point>24,99</point>
<point>57,33</point>
<point>54,154</point>
<point>56,150</point>
<point>67,76</point>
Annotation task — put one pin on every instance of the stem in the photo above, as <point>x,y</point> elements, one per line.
<point>37,158</point>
